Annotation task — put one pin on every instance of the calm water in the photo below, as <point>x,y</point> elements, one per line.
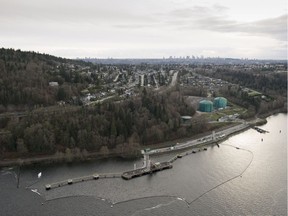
<point>251,180</point>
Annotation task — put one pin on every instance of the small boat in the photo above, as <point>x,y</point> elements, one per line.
<point>48,187</point>
<point>95,176</point>
<point>205,149</point>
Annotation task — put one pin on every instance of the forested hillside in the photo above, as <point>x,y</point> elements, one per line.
<point>267,81</point>
<point>50,105</point>
<point>147,120</point>
<point>25,77</point>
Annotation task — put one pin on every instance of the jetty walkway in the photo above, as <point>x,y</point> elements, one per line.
<point>82,179</point>
<point>144,171</point>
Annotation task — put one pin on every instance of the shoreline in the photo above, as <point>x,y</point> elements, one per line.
<point>161,166</point>
<point>54,159</point>
<point>63,158</point>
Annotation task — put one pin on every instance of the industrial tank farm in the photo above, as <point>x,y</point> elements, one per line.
<point>220,102</point>
<point>205,106</point>
<point>209,106</point>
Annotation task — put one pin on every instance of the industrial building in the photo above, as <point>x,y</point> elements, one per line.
<point>205,106</point>
<point>220,102</point>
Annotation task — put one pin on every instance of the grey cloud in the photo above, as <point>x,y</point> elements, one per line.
<point>273,27</point>
<point>66,11</point>
<point>189,12</point>
<point>276,27</point>
<point>220,8</point>
<point>114,24</point>
<point>133,26</point>
<point>214,18</point>
<point>198,11</point>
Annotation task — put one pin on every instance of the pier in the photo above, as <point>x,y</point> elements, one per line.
<point>260,130</point>
<point>82,179</point>
<point>126,175</point>
<point>148,168</point>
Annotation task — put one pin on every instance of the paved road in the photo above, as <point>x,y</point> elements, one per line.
<point>205,139</point>
<point>174,79</point>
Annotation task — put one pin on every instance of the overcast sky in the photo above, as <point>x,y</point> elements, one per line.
<point>146,28</point>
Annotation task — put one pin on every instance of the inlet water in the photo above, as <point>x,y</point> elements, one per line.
<point>247,175</point>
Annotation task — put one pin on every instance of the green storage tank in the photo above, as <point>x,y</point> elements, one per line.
<point>220,102</point>
<point>205,106</point>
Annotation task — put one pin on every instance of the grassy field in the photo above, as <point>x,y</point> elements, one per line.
<point>230,110</point>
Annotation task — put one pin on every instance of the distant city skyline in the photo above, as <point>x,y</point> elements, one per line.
<point>146,29</point>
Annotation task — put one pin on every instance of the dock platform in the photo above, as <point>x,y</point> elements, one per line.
<point>144,171</point>
<point>260,130</point>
